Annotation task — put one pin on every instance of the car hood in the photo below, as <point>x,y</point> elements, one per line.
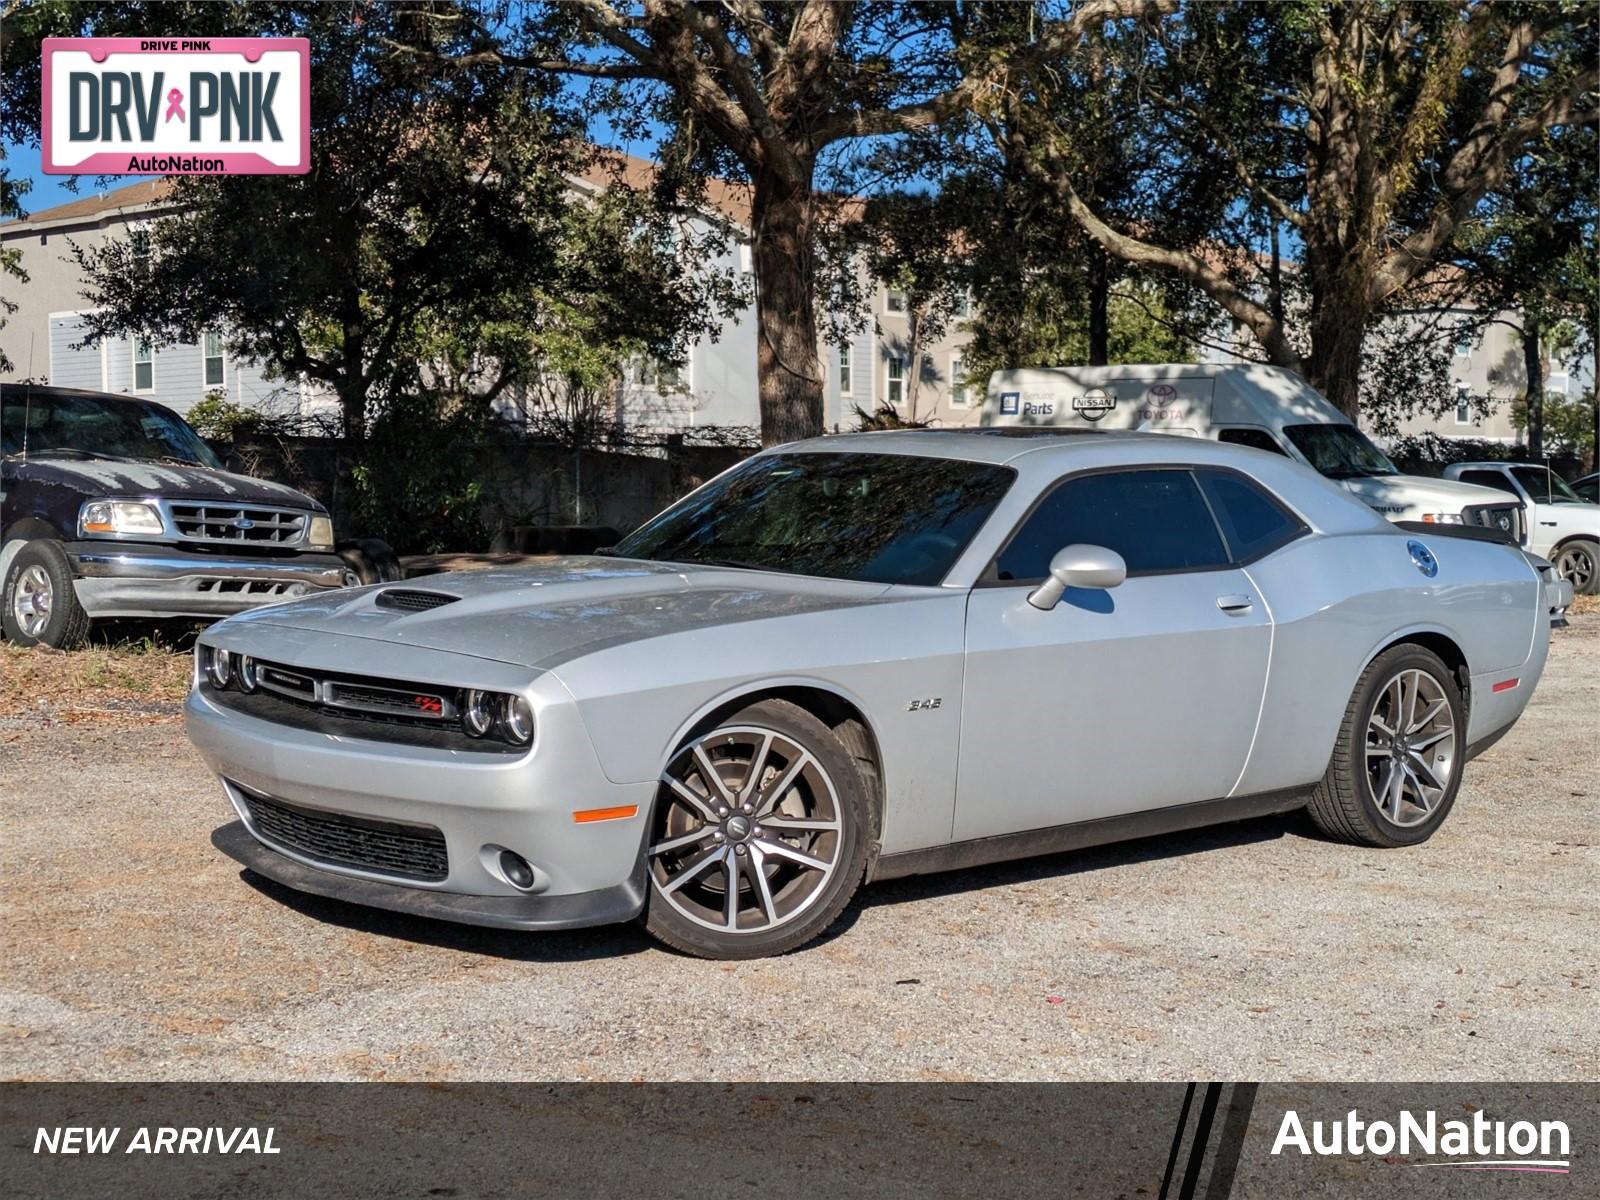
<point>545,614</point>
<point>1404,493</point>
<point>128,478</point>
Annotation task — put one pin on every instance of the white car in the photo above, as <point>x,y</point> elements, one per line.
<point>867,656</point>
<point>1562,525</point>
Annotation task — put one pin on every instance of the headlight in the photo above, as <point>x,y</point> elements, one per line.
<point>119,516</point>
<point>1454,518</point>
<point>319,536</point>
<point>245,673</point>
<point>517,721</point>
<point>220,668</point>
<point>477,714</point>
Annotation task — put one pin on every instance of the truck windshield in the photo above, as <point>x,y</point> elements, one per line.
<point>879,518</point>
<point>1339,451</point>
<point>1545,486</point>
<point>88,427</point>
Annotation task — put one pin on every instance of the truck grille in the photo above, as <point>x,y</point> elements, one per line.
<point>1506,519</point>
<point>234,523</point>
<point>384,847</point>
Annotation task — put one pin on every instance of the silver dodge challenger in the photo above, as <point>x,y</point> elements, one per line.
<point>863,657</point>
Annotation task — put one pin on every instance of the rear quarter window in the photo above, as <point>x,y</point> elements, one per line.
<point>1253,520</point>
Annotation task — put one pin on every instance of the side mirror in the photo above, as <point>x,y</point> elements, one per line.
<point>1078,566</point>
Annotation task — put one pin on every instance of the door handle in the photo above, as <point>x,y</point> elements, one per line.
<point>1235,603</point>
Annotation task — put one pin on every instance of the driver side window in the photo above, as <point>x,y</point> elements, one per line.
<point>1156,519</point>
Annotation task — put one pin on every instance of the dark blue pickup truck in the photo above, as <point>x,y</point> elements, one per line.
<point>112,506</point>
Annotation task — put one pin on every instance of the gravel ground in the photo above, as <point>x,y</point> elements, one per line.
<point>1257,950</point>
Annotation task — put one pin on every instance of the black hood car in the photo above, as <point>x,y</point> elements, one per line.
<point>112,506</point>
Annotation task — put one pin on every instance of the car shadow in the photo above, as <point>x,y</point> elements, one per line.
<point>1072,862</point>
<point>615,941</point>
<point>554,946</point>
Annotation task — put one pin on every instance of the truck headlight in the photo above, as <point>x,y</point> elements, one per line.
<point>1443,518</point>
<point>319,535</point>
<point>119,516</point>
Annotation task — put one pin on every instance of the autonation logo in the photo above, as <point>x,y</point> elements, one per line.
<point>1476,1145</point>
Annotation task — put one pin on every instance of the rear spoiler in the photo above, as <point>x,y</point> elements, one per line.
<point>1473,533</point>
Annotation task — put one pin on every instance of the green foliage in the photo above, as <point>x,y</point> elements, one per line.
<point>886,416</point>
<point>419,484</point>
<point>218,419</point>
<point>1568,423</point>
<point>11,193</point>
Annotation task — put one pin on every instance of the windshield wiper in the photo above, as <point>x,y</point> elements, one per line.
<point>77,450</point>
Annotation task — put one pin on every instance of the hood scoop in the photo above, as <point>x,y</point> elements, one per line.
<point>413,599</point>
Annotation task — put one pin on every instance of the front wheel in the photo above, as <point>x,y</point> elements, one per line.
<point>1397,766</point>
<point>759,836</point>
<point>40,605</point>
<point>1578,562</point>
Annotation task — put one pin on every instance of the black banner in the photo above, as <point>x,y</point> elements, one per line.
<point>1161,1141</point>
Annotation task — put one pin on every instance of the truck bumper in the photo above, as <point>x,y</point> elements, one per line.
<point>130,580</point>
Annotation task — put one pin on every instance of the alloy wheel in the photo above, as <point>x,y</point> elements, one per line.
<point>32,601</point>
<point>747,830</point>
<point>1576,565</point>
<point>1410,747</point>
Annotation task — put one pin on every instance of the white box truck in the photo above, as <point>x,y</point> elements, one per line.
<point>1268,408</point>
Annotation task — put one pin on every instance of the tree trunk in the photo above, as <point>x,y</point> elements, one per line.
<point>788,365</point>
<point>1099,294</point>
<point>1533,366</point>
<point>1338,327</point>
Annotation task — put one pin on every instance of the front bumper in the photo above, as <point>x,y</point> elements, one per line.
<point>125,579</point>
<point>604,906</point>
<point>479,803</point>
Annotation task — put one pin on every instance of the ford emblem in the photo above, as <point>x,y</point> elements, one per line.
<point>1423,558</point>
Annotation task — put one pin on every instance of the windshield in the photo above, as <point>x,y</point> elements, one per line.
<point>1545,487</point>
<point>879,518</point>
<point>89,427</point>
<point>1339,451</point>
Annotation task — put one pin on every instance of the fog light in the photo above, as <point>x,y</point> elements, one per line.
<point>516,870</point>
<point>220,668</point>
<point>519,720</point>
<point>476,716</point>
<point>246,672</point>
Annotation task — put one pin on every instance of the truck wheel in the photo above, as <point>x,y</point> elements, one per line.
<point>1577,563</point>
<point>41,607</point>
<point>371,559</point>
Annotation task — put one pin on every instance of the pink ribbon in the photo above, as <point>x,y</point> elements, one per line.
<point>175,105</point>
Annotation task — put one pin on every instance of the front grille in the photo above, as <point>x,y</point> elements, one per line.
<point>384,847</point>
<point>237,523</point>
<point>412,600</point>
<point>1505,519</point>
<point>385,701</point>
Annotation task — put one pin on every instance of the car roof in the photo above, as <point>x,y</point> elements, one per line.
<point>1006,444</point>
<point>988,445</point>
<point>48,391</point>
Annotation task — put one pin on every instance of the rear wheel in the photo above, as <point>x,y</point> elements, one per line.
<point>1397,767</point>
<point>758,838</point>
<point>40,606</point>
<point>1578,562</point>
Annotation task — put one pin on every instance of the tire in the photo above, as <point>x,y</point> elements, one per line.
<point>40,607</point>
<point>371,559</point>
<point>1346,804</point>
<point>1578,562</point>
<point>794,849</point>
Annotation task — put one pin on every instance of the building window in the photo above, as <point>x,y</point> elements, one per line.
<point>213,359</point>
<point>1463,342</point>
<point>844,371</point>
<point>896,302</point>
<point>659,376</point>
<point>961,306</point>
<point>1463,406</point>
<point>960,396</point>
<point>897,379</point>
<point>144,366</point>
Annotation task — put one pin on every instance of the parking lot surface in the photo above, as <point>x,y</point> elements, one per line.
<point>1256,950</point>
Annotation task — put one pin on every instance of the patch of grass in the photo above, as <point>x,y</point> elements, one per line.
<point>129,678</point>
